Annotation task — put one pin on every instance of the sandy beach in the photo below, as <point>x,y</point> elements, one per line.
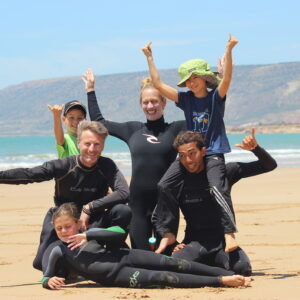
<point>268,217</point>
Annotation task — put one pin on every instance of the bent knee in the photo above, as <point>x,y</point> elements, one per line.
<point>243,268</point>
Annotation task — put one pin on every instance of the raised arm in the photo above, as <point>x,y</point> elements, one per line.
<point>227,67</point>
<point>166,90</point>
<point>249,142</point>
<point>58,130</point>
<point>89,80</point>
<point>264,164</point>
<point>122,131</point>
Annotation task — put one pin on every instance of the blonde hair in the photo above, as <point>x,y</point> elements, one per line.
<point>147,83</point>
<point>94,126</point>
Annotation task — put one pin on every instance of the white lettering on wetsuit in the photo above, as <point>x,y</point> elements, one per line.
<point>151,139</point>
<point>74,189</point>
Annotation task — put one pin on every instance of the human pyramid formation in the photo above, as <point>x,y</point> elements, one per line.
<point>85,233</point>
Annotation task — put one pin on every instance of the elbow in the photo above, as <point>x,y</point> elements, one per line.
<point>157,83</point>
<point>273,165</point>
<point>60,142</point>
<point>124,196</point>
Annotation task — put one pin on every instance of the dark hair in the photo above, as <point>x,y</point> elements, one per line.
<point>94,126</point>
<point>67,209</point>
<point>185,137</point>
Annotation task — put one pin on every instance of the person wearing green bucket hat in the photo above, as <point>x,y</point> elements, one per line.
<point>204,107</point>
<point>200,68</point>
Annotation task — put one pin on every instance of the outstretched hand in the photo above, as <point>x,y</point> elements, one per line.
<point>232,41</point>
<point>56,109</point>
<point>147,50</point>
<point>77,240</point>
<point>249,142</point>
<point>89,80</point>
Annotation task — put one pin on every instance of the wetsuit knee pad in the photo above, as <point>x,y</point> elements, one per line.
<point>164,278</point>
<point>177,264</point>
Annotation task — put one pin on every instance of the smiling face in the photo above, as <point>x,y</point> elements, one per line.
<point>90,146</point>
<point>152,104</point>
<point>66,226</point>
<point>197,85</point>
<point>191,157</point>
<point>72,119</point>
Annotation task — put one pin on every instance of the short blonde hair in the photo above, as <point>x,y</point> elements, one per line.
<point>94,126</point>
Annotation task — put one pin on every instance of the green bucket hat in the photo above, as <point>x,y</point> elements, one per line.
<point>201,68</point>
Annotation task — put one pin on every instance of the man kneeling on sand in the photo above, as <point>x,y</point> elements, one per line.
<point>204,236</point>
<point>83,179</point>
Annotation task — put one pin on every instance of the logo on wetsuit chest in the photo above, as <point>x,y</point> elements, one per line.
<point>133,279</point>
<point>85,189</point>
<point>152,139</point>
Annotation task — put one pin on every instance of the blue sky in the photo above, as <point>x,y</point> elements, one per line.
<point>57,38</point>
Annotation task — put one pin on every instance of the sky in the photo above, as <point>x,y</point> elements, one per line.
<point>58,38</point>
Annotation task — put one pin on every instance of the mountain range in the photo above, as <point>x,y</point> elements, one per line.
<point>259,95</point>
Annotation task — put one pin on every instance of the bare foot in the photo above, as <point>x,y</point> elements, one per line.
<point>230,242</point>
<point>236,280</point>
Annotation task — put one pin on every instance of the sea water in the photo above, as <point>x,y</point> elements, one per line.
<point>30,151</point>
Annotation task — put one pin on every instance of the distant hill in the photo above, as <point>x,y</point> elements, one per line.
<point>259,94</point>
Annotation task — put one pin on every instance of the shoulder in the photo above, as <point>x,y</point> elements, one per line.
<point>61,165</point>
<point>132,125</point>
<point>185,98</point>
<point>186,95</point>
<point>106,162</point>
<point>214,94</point>
<point>135,124</point>
<point>179,125</point>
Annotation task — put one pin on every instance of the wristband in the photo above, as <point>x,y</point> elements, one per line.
<point>44,279</point>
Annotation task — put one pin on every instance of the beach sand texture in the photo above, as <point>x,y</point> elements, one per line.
<point>268,217</point>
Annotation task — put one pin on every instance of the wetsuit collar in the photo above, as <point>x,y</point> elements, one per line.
<point>157,123</point>
<point>85,167</point>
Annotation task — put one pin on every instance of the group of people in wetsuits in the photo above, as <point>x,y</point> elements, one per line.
<point>88,237</point>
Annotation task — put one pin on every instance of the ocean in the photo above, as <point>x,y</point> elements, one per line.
<point>30,151</point>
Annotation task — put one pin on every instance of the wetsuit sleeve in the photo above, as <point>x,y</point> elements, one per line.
<point>122,131</point>
<point>55,255</point>
<point>165,217</point>
<point>111,234</point>
<point>117,182</point>
<point>264,164</point>
<point>46,171</point>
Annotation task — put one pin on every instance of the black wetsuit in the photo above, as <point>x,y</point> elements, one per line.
<point>133,268</point>
<point>150,145</point>
<point>77,183</point>
<point>204,232</point>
